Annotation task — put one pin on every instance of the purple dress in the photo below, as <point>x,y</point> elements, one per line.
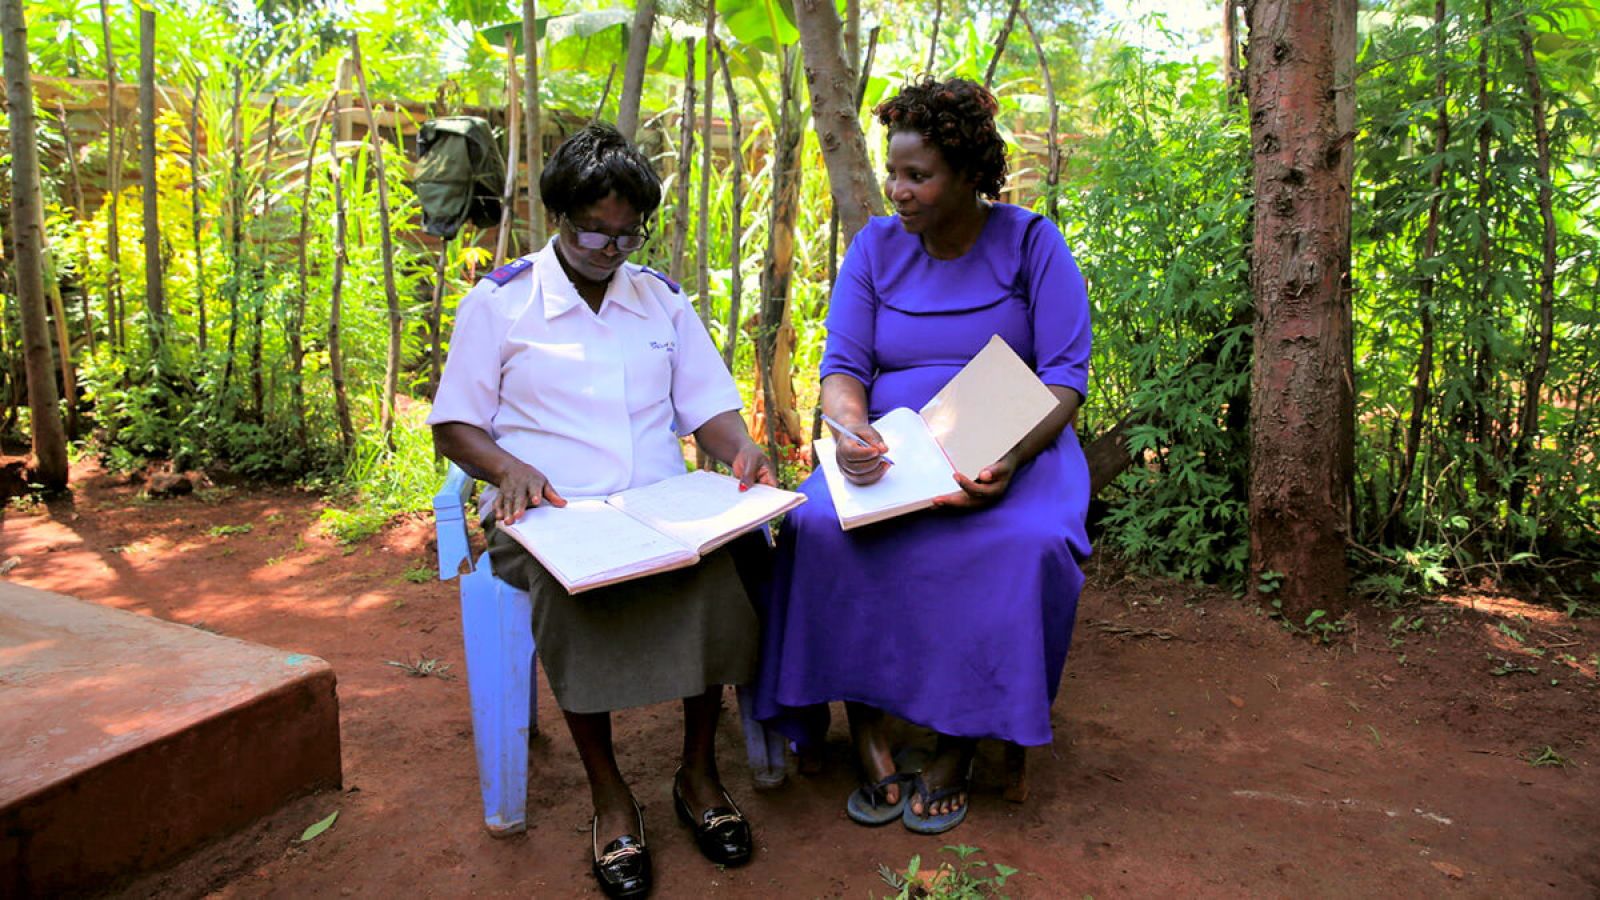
<point>956,620</point>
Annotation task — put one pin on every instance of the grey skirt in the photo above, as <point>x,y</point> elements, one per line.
<point>645,641</point>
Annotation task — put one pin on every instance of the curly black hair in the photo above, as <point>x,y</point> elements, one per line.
<point>957,117</point>
<point>590,165</point>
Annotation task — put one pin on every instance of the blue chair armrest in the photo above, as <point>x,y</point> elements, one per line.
<point>450,523</point>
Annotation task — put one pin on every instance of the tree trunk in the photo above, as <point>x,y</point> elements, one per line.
<point>835,113</point>
<point>341,397</point>
<point>736,173</point>
<point>58,313</point>
<point>79,212</point>
<point>776,417</point>
<point>644,20</point>
<point>1052,178</point>
<point>1299,471</point>
<point>703,224</point>
<point>534,132</point>
<point>113,186</point>
<point>508,201</point>
<point>852,35</point>
<point>195,220</point>
<point>258,298</point>
<point>235,225</point>
<point>933,36</point>
<point>680,210</point>
<point>154,291</point>
<point>436,319</point>
<point>1000,42</point>
<point>605,94</point>
<point>1231,76</point>
<point>297,314</point>
<point>27,217</point>
<point>1483,357</point>
<point>1533,385</point>
<point>820,305</point>
<point>1421,388</point>
<point>391,367</point>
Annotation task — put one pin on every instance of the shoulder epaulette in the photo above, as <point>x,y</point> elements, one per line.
<point>510,270</point>
<point>671,285</point>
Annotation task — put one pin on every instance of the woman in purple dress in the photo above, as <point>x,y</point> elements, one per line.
<point>957,619</point>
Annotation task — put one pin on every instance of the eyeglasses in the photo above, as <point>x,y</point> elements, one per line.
<point>595,240</point>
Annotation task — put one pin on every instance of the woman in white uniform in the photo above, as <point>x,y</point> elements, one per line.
<point>572,373</point>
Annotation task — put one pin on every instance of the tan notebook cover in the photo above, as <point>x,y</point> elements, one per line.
<point>977,417</point>
<point>990,405</point>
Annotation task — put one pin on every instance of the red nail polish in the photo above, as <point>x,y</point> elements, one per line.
<point>743,488</point>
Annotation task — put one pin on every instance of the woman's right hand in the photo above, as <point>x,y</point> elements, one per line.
<point>858,464</point>
<point>522,487</point>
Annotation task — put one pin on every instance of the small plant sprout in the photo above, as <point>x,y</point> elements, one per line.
<point>423,667</point>
<point>1546,756</point>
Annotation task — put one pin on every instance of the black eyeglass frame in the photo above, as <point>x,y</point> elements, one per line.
<point>599,240</point>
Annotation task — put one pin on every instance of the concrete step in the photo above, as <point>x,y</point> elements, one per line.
<point>126,741</point>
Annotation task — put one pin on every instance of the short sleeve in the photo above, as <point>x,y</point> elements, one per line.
<point>469,388</point>
<point>852,315</point>
<point>1059,306</point>
<point>701,385</point>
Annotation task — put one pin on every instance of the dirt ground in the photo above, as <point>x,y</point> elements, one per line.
<point>1200,749</point>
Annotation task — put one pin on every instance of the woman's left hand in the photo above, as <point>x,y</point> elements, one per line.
<point>986,489</point>
<point>751,466</point>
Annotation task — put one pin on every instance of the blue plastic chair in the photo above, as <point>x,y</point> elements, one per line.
<point>497,628</point>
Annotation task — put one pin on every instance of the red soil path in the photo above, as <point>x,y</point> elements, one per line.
<point>1200,749</point>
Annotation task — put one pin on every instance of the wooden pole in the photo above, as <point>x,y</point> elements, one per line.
<point>391,368</point>
<point>341,397</point>
<point>113,185</point>
<point>736,172</point>
<point>79,212</point>
<point>297,315</point>
<point>534,133</point>
<point>195,217</point>
<point>155,294</point>
<point>703,226</point>
<point>508,200</point>
<point>1053,176</point>
<point>680,213</point>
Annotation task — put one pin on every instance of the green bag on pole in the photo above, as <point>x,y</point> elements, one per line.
<point>460,175</point>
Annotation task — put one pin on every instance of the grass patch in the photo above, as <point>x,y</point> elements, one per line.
<point>381,482</point>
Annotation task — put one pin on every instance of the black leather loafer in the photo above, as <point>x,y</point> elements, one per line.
<point>721,832</point>
<point>623,869</point>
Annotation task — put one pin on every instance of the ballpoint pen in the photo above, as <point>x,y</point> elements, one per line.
<point>834,424</point>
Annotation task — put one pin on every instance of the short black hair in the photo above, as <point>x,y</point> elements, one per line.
<point>957,118</point>
<point>594,163</point>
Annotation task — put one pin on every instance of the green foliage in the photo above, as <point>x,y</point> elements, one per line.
<point>1160,225</point>
<point>1471,503</point>
<point>380,482</point>
<point>1155,202</point>
<point>967,878</point>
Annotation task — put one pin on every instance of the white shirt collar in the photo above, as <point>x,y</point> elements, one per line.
<point>561,295</point>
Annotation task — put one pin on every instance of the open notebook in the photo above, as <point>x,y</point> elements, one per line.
<point>977,417</point>
<point>656,528</point>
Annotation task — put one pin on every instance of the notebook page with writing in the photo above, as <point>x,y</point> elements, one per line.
<point>919,474</point>
<point>704,510</point>
<point>990,405</point>
<point>587,544</point>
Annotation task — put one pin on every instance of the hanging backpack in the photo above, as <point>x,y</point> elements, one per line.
<point>460,175</point>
